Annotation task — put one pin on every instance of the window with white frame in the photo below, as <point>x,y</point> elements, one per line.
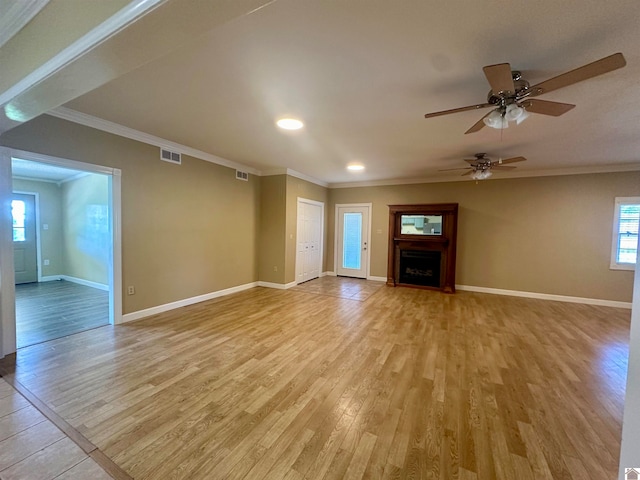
<point>626,220</point>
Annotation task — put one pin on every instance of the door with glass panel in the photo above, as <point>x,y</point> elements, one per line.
<point>23,207</point>
<point>353,235</point>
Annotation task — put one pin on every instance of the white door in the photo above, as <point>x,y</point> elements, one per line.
<point>309,241</point>
<point>23,208</point>
<point>353,237</point>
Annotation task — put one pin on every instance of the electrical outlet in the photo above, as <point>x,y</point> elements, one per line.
<point>131,290</point>
<point>275,269</point>
<point>46,262</point>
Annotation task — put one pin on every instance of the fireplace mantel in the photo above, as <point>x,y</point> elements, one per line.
<point>412,237</point>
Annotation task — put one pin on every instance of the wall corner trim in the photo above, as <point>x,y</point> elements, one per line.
<point>546,296</point>
<point>147,312</point>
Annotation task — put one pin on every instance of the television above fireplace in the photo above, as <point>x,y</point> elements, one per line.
<point>422,246</point>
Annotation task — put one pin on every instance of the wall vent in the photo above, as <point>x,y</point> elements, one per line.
<point>169,156</point>
<point>242,176</point>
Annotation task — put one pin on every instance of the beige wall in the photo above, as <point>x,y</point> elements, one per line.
<point>86,239</point>
<point>297,188</point>
<point>187,229</point>
<point>50,205</point>
<point>273,204</point>
<point>546,234</point>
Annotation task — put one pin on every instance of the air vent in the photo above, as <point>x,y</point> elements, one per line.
<point>169,156</point>
<point>242,176</point>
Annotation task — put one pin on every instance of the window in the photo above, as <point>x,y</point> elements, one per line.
<point>626,220</point>
<point>18,213</point>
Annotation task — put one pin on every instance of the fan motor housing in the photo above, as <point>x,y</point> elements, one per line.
<point>505,98</point>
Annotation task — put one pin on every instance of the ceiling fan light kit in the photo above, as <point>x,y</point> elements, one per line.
<point>481,174</point>
<point>500,117</point>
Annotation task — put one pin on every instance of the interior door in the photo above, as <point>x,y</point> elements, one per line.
<point>23,212</point>
<point>309,238</point>
<point>353,236</point>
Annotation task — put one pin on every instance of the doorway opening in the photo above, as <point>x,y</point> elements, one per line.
<point>66,248</point>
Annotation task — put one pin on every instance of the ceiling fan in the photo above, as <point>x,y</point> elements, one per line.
<point>480,167</point>
<point>511,95</point>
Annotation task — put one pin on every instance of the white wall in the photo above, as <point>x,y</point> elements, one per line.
<point>630,450</point>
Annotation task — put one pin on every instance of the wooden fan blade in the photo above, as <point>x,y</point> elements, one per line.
<point>449,169</point>
<point>604,65</point>
<point>509,160</point>
<point>547,108</point>
<point>456,110</point>
<point>468,173</point>
<point>478,125</point>
<point>500,167</point>
<point>499,77</point>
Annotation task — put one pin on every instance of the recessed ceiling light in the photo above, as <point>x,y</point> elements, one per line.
<point>290,124</point>
<point>355,167</point>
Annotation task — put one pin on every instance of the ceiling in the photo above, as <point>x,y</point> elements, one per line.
<point>43,171</point>
<point>361,76</point>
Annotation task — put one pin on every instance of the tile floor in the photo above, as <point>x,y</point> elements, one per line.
<point>342,287</point>
<point>33,448</point>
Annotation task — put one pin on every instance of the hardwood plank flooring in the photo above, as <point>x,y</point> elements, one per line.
<point>49,310</point>
<point>292,384</point>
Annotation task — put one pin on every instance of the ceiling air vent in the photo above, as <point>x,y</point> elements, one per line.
<point>242,176</point>
<point>169,156</point>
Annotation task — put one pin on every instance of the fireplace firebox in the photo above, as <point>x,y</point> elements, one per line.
<point>422,246</point>
<point>418,267</point>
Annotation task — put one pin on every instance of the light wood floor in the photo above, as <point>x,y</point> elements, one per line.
<point>49,310</point>
<point>291,385</point>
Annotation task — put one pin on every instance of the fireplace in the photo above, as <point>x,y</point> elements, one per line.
<point>420,267</point>
<point>422,246</point>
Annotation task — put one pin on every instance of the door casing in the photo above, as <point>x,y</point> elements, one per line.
<point>7,289</point>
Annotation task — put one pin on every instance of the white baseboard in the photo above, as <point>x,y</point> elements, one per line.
<point>50,278</point>
<point>87,283</point>
<point>377,279</point>
<point>545,296</point>
<point>370,277</point>
<point>278,286</point>
<point>147,312</point>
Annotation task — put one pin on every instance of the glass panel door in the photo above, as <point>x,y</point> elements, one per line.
<point>352,253</point>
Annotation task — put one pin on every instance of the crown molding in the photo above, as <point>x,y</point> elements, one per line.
<point>117,129</point>
<point>294,173</point>
<point>555,172</point>
<point>16,15</point>
<point>124,17</point>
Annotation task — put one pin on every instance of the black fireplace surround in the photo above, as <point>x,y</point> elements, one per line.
<point>420,267</point>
